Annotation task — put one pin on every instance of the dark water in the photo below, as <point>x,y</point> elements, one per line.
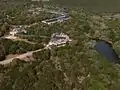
<point>92,5</point>
<point>106,50</point>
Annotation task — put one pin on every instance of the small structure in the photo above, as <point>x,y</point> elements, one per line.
<point>61,15</point>
<point>59,39</point>
<point>13,32</point>
<point>54,20</point>
<point>17,29</point>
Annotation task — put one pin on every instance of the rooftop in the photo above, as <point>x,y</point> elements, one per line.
<point>58,39</point>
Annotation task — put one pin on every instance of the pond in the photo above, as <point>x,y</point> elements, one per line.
<point>106,50</point>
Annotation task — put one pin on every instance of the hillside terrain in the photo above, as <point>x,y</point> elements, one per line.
<point>60,54</point>
<point>91,5</point>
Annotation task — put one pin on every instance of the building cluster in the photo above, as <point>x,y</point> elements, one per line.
<point>58,39</point>
<point>61,15</point>
<point>35,11</point>
<point>55,20</point>
<point>16,29</point>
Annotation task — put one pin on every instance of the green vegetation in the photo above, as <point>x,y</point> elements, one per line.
<point>90,5</point>
<point>76,66</point>
<point>16,47</point>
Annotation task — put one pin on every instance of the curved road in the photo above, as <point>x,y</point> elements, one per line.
<point>22,56</point>
<point>28,54</point>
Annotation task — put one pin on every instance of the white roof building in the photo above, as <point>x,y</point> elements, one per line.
<point>55,20</point>
<point>59,39</point>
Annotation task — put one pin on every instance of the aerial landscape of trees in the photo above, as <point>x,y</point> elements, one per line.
<point>75,66</point>
<point>16,47</point>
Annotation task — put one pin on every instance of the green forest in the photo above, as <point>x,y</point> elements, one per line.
<point>75,66</point>
<point>90,5</point>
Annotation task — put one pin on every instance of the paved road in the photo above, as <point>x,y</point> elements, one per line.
<point>28,54</point>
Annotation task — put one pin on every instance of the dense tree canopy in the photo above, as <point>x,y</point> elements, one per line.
<point>2,52</point>
<point>75,66</point>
